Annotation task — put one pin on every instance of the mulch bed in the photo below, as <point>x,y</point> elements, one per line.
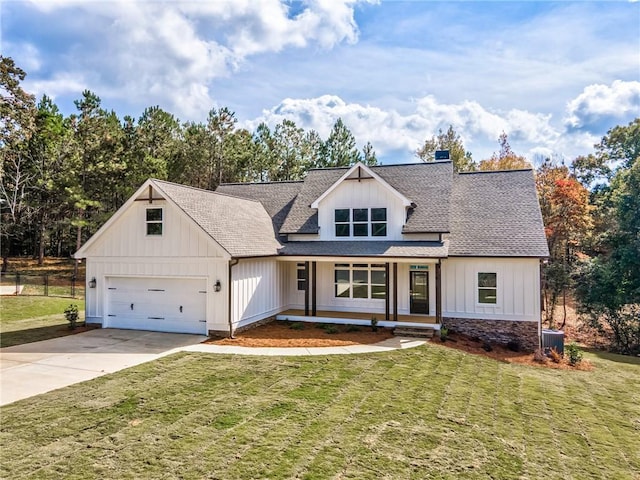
<point>304,334</point>
<point>309,334</point>
<point>504,354</point>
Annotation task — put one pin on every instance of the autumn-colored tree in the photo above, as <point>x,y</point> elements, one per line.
<point>505,159</point>
<point>564,203</point>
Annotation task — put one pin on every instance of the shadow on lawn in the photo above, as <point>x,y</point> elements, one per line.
<point>20,337</point>
<point>614,357</point>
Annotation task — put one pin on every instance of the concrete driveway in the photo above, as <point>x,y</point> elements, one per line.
<point>39,367</point>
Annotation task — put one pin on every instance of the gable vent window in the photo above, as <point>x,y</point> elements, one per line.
<point>154,221</point>
<point>361,222</point>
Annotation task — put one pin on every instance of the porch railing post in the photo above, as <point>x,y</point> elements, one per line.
<point>17,283</point>
<point>306,289</point>
<point>395,291</point>
<point>438,292</point>
<point>386,291</point>
<point>313,289</point>
<point>46,285</point>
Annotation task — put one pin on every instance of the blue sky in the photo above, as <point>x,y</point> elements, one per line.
<point>555,76</point>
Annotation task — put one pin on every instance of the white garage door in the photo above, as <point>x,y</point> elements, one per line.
<point>158,304</point>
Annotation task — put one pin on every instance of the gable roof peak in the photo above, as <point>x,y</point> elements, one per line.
<point>359,166</point>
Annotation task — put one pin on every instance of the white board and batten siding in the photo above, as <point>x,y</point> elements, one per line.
<point>368,193</point>
<point>325,289</point>
<point>173,268</point>
<point>259,290</point>
<point>517,281</point>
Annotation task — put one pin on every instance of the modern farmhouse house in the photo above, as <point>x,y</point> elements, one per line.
<point>409,244</point>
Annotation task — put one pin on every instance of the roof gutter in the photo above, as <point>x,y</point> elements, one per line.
<point>232,263</point>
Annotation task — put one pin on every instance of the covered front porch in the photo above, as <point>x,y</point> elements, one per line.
<point>359,318</point>
<point>397,291</point>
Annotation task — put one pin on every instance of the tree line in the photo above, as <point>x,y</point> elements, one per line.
<point>64,176</point>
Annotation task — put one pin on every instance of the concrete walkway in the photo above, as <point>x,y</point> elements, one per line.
<point>39,367</point>
<point>394,343</point>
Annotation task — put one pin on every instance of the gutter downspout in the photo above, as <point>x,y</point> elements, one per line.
<point>232,262</point>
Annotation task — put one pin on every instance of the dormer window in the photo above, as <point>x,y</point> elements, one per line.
<point>154,221</point>
<point>361,222</point>
<point>343,225</point>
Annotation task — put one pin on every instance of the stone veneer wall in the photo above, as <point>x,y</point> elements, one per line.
<point>497,331</point>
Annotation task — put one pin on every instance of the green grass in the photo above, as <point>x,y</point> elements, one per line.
<point>25,319</point>
<point>428,412</point>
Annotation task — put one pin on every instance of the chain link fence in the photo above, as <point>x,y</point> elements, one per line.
<point>42,285</point>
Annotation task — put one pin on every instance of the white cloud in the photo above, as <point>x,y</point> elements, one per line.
<point>29,55</point>
<point>389,130</point>
<point>170,52</point>
<point>60,84</point>
<point>598,103</point>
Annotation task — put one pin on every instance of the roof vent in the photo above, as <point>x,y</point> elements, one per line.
<point>442,155</point>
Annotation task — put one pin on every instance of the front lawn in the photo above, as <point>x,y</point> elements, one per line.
<point>419,413</point>
<point>25,319</point>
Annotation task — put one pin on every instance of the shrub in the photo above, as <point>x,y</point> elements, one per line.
<point>514,345</point>
<point>574,354</point>
<point>444,334</point>
<point>353,328</point>
<point>331,329</point>
<point>374,324</point>
<point>555,356</point>
<point>71,314</point>
<point>539,356</point>
<point>297,326</point>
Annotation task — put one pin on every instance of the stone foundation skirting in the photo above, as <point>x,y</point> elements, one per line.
<point>497,331</point>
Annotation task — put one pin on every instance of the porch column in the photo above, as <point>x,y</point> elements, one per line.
<point>438,293</point>
<point>306,289</point>
<point>395,292</point>
<point>386,291</point>
<point>313,289</point>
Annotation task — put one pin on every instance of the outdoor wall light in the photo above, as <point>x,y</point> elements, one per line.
<point>92,283</point>
<point>218,286</point>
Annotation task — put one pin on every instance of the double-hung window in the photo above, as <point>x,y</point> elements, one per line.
<point>154,221</point>
<point>360,280</point>
<point>360,222</point>
<point>301,276</point>
<point>487,287</point>
<point>343,222</point>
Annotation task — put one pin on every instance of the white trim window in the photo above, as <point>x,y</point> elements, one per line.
<point>301,276</point>
<point>360,281</point>
<point>154,221</point>
<point>360,222</point>
<point>487,288</point>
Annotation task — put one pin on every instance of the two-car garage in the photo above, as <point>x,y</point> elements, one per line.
<point>162,304</point>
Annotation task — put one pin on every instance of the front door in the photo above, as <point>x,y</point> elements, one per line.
<point>419,292</point>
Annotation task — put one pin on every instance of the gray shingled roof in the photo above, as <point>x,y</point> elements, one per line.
<point>485,213</point>
<point>276,197</point>
<point>496,214</point>
<point>425,184</point>
<point>242,227</point>
<point>366,249</point>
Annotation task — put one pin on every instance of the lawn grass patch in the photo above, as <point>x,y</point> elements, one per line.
<point>422,412</point>
<point>25,319</point>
